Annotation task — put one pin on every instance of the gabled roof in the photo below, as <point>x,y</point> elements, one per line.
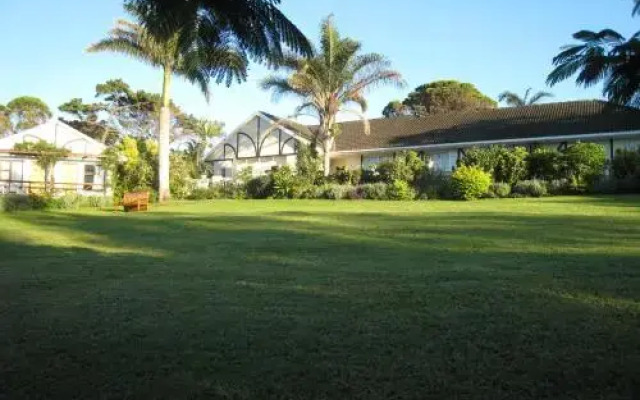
<point>57,133</point>
<point>301,129</point>
<point>538,121</point>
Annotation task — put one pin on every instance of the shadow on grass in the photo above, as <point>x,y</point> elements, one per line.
<point>322,305</point>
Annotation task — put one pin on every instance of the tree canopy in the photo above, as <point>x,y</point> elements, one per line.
<point>333,81</point>
<point>22,113</point>
<point>441,96</point>
<point>258,26</point>
<point>605,56</point>
<point>514,100</point>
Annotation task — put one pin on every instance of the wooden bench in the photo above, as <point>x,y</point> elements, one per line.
<point>136,201</point>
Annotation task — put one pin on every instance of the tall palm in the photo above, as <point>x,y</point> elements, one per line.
<point>183,54</point>
<point>602,56</point>
<point>514,100</point>
<point>258,25</point>
<point>330,81</point>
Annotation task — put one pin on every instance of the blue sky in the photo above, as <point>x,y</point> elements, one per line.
<point>495,44</point>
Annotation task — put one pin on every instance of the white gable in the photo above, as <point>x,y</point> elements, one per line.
<point>258,136</point>
<point>59,134</point>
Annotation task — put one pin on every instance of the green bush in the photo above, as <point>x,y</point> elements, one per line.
<point>370,175</point>
<point>433,184</point>
<point>584,163</point>
<point>374,191</point>
<point>344,176</point>
<point>68,201</point>
<point>260,187</point>
<point>531,188</point>
<point>558,187</point>
<point>470,183</point>
<point>309,165</point>
<point>500,190</point>
<point>504,164</point>
<point>545,164</point>
<point>284,183</point>
<point>404,167</point>
<point>211,193</point>
<point>333,191</point>
<point>400,190</point>
<point>626,163</point>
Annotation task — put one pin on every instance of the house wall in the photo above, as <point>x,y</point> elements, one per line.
<point>446,159</point>
<point>20,174</point>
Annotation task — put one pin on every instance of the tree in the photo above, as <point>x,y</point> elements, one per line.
<point>445,96</point>
<point>23,113</point>
<point>395,109</point>
<point>604,56</point>
<point>47,155</point>
<point>5,121</point>
<point>199,133</point>
<point>181,53</point>
<point>258,26</point>
<point>336,77</point>
<point>513,100</point>
<point>121,111</point>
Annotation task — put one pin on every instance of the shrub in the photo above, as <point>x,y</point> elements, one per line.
<point>370,175</point>
<point>559,187</point>
<point>404,167</point>
<point>374,191</point>
<point>260,187</point>
<point>544,164</point>
<point>333,191</point>
<point>500,190</point>
<point>470,183</point>
<point>181,176</point>
<point>434,184</point>
<point>400,190</point>
<point>284,183</point>
<point>531,188</point>
<point>626,163</point>
<point>584,163</point>
<point>510,164</point>
<point>344,176</point>
<point>214,192</point>
<point>504,164</point>
<point>309,165</point>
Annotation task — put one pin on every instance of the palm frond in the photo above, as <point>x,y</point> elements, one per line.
<point>511,99</point>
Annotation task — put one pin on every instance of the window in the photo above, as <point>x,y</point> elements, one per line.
<point>89,177</point>
<point>5,170</point>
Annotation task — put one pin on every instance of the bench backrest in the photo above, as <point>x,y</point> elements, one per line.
<point>134,197</point>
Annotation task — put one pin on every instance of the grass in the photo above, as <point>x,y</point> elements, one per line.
<point>505,299</point>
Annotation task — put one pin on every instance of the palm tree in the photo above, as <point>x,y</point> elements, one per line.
<point>336,77</point>
<point>513,100</point>
<point>602,56</point>
<point>184,54</point>
<point>258,25</point>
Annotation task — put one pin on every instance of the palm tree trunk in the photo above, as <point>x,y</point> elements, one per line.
<point>163,140</point>
<point>327,147</point>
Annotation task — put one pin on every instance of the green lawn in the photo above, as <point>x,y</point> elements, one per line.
<point>497,299</point>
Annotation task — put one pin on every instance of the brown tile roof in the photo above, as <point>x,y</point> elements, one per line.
<point>553,119</point>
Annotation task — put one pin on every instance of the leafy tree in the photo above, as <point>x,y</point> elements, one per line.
<point>395,109</point>
<point>47,156</point>
<point>133,166</point>
<point>336,77</point>
<point>604,56</point>
<point>514,100</point>
<point>23,113</point>
<point>258,26</point>
<point>180,52</point>
<point>404,167</point>
<point>5,121</point>
<point>445,96</point>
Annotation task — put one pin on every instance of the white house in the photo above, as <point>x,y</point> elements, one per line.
<point>80,172</point>
<point>265,141</point>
